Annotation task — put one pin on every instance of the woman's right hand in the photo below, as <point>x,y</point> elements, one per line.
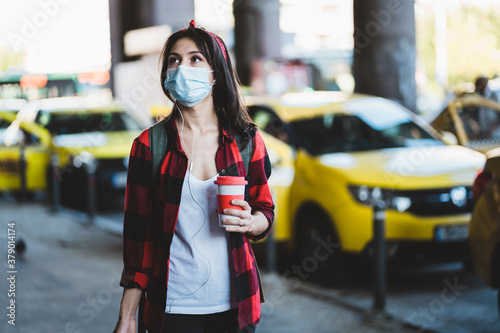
<point>125,326</point>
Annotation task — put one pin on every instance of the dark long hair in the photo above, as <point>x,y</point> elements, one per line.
<point>229,108</point>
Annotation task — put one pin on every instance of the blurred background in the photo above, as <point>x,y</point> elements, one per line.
<point>385,113</point>
<point>279,46</point>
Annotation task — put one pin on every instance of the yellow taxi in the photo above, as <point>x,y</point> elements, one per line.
<point>72,131</point>
<point>11,106</point>
<point>10,158</point>
<point>484,233</point>
<point>159,111</point>
<point>334,153</point>
<point>473,120</point>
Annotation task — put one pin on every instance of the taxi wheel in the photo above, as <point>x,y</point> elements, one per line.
<point>317,249</point>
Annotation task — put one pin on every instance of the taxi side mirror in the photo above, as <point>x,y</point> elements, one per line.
<point>449,138</point>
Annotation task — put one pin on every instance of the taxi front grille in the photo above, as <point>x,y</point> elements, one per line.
<point>439,202</point>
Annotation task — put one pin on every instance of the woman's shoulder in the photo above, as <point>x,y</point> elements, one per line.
<point>144,137</point>
<point>257,137</point>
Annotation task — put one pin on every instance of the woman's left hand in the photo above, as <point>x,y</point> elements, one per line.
<point>251,224</point>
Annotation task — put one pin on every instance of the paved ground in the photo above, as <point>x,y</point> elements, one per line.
<point>445,298</point>
<point>67,281</point>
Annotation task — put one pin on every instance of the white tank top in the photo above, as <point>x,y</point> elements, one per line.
<point>200,270</point>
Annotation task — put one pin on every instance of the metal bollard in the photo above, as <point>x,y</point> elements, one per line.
<point>22,172</point>
<point>90,166</point>
<point>56,190</point>
<point>379,267</point>
<point>271,252</point>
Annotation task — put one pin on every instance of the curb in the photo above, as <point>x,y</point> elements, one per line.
<point>110,225</point>
<point>369,315</point>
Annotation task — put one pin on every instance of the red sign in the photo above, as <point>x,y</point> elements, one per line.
<point>33,81</point>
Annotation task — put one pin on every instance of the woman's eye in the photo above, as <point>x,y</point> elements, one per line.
<point>172,60</point>
<point>196,59</point>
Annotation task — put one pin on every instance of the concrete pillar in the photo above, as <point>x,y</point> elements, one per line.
<point>256,33</point>
<point>384,49</point>
<point>125,15</point>
<point>128,15</point>
<point>116,37</point>
<point>175,13</point>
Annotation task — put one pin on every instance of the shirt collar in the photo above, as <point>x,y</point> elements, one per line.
<point>174,134</point>
<point>225,136</point>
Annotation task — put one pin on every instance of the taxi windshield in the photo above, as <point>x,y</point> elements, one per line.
<point>360,131</point>
<point>60,123</point>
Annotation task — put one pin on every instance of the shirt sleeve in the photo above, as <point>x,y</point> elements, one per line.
<point>137,235</point>
<point>260,194</point>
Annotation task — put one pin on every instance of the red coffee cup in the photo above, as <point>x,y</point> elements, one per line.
<point>229,188</point>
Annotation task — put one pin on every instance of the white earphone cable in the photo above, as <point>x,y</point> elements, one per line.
<point>191,158</point>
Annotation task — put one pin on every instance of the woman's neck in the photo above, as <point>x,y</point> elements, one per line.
<point>202,114</point>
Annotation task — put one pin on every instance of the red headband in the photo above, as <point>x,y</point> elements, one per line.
<point>192,24</point>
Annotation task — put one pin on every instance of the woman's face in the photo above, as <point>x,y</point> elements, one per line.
<point>185,52</point>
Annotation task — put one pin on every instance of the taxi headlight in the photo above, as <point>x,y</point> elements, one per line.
<point>75,161</point>
<point>83,158</point>
<point>361,193</point>
<point>401,204</point>
<point>366,195</point>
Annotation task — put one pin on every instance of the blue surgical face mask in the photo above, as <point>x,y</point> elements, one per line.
<point>188,85</point>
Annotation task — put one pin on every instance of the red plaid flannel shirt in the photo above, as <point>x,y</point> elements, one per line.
<point>151,215</point>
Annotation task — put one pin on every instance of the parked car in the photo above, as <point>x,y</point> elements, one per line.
<point>473,120</point>
<point>8,111</point>
<point>11,105</point>
<point>159,111</point>
<point>74,131</point>
<point>36,152</point>
<point>348,150</point>
<point>484,232</point>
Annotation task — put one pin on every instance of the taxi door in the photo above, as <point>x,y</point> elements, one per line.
<point>23,142</point>
<point>277,138</point>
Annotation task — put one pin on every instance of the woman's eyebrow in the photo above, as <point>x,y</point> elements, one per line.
<point>190,52</point>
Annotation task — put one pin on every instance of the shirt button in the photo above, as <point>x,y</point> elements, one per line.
<point>223,171</point>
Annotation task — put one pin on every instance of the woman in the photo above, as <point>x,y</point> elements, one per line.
<point>196,276</point>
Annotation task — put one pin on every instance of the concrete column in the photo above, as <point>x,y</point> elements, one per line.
<point>384,49</point>
<point>125,15</point>
<point>175,13</point>
<point>256,33</point>
<point>116,37</point>
<point>128,15</point>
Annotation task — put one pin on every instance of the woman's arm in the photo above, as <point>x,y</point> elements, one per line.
<point>137,225</point>
<point>137,255</point>
<point>128,308</point>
